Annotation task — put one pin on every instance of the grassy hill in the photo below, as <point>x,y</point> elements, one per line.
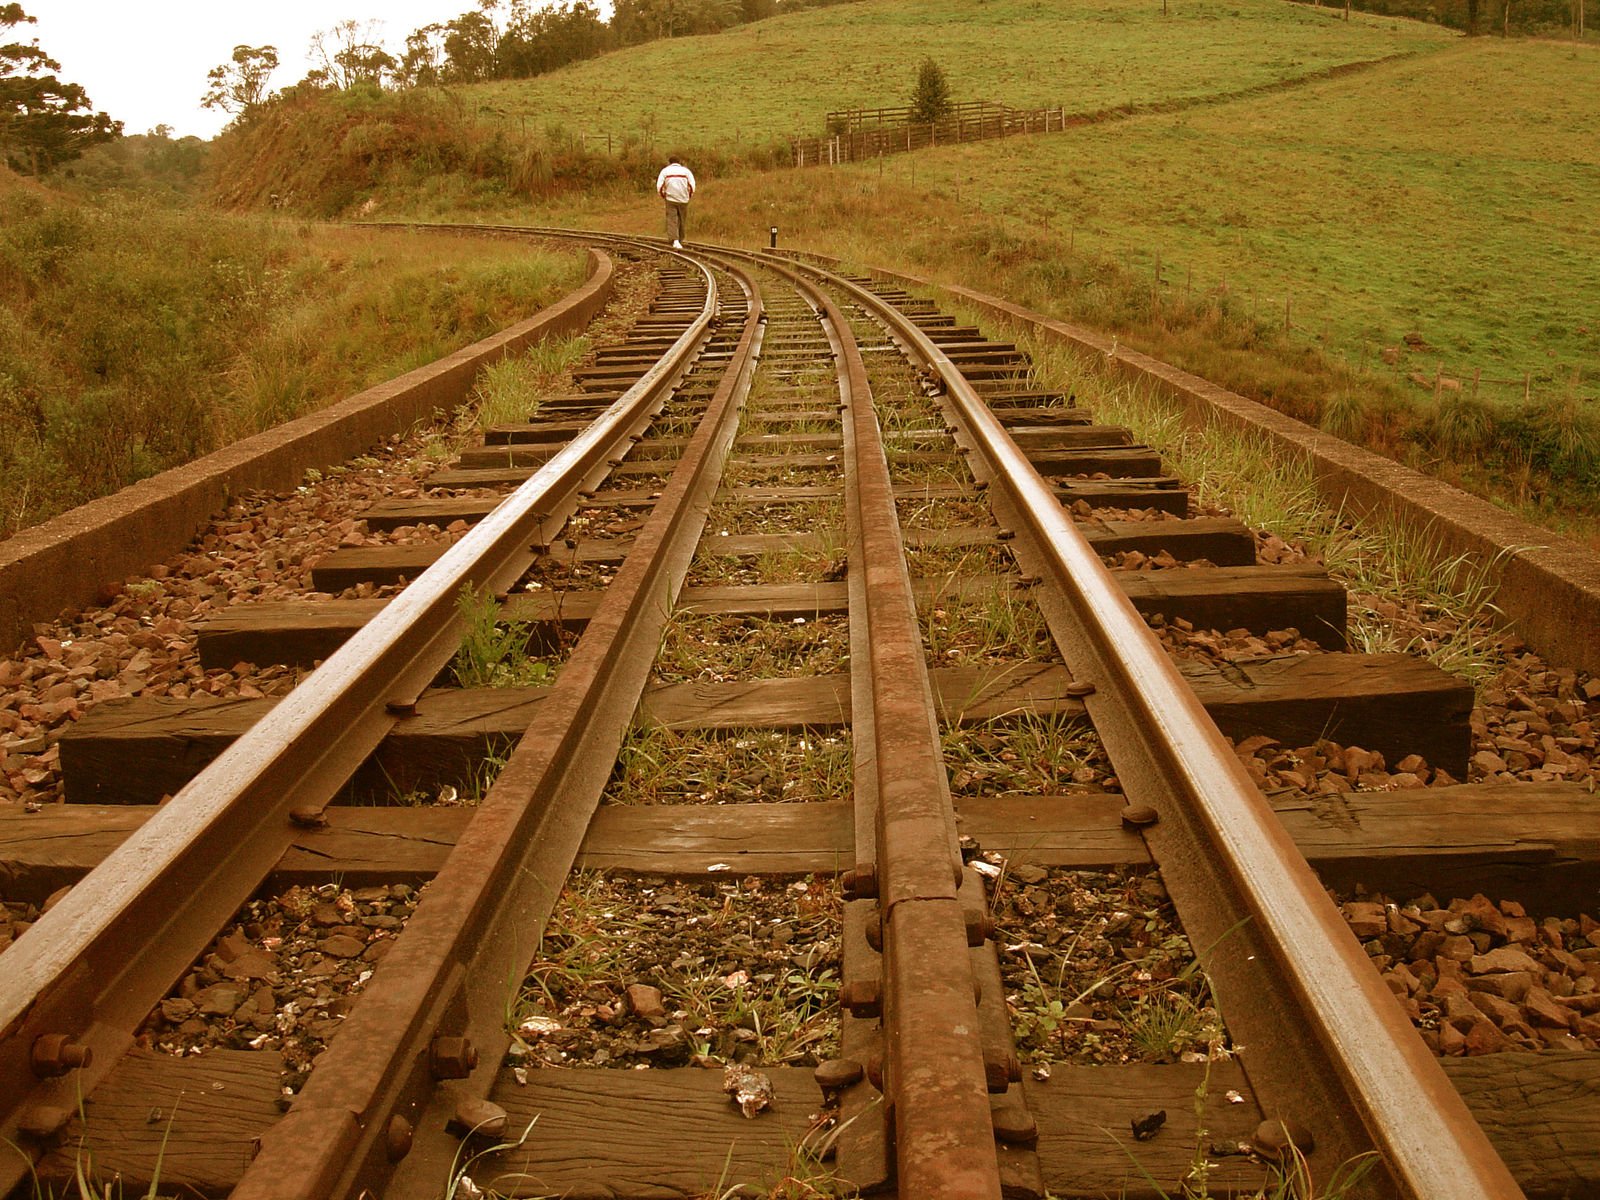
<point>777,78</point>
<point>1434,210</point>
<point>1452,197</point>
<point>1374,224</point>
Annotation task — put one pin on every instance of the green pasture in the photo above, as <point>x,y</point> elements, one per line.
<point>1454,196</point>
<point>777,78</point>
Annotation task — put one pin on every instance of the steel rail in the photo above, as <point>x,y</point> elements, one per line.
<point>934,1077</point>
<point>1324,1042</point>
<point>1322,1035</point>
<point>376,1096</point>
<point>176,881</point>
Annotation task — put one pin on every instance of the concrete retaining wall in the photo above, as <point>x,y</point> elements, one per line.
<point>66,562</point>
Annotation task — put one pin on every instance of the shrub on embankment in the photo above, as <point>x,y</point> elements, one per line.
<point>338,153</point>
<point>135,336</point>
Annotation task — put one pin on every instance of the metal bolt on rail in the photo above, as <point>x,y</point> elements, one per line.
<point>837,1073</point>
<point>452,1057</point>
<point>874,1067</point>
<point>55,1054</point>
<point>1139,816</point>
<point>45,1122</point>
<point>397,1138</point>
<point>862,997</point>
<point>980,928</point>
<point>1275,1138</point>
<point>1000,1070</point>
<point>860,882</point>
<point>1015,1126</point>
<point>480,1118</point>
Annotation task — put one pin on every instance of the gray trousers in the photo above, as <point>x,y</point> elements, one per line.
<point>676,223</point>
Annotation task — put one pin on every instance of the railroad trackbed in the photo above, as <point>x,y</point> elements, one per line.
<point>806,755</point>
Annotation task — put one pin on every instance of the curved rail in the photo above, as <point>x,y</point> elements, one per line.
<point>1325,1043</point>
<point>434,1010</point>
<point>1327,1047</point>
<point>1310,994</point>
<point>171,885</point>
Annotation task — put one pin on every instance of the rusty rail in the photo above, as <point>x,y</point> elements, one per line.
<point>434,1010</point>
<point>96,963</point>
<point>1325,1043</point>
<point>908,859</point>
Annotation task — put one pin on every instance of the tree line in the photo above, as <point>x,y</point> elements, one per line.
<point>1504,17</point>
<point>500,39</point>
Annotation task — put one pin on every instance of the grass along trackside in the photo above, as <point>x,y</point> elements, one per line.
<point>135,337</point>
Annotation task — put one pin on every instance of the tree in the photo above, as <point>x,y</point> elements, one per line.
<point>43,122</point>
<point>240,84</point>
<point>470,43</point>
<point>646,20</point>
<point>349,54</point>
<point>421,64</point>
<point>931,101</point>
<point>543,39</point>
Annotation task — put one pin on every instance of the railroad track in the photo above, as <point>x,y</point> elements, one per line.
<point>770,448</point>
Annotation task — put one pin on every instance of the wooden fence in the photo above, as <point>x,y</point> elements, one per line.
<point>856,134</point>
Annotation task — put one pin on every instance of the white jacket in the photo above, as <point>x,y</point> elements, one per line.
<point>675,183</point>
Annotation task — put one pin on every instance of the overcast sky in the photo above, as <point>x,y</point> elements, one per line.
<point>146,64</point>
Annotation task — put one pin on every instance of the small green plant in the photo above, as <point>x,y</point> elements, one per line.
<point>1163,1024</point>
<point>493,651</point>
<point>994,623</point>
<point>510,390</point>
<point>660,765</point>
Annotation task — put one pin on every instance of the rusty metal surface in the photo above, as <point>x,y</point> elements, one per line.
<point>480,919</point>
<point>1324,1041</point>
<point>933,1070</point>
<point>99,960</point>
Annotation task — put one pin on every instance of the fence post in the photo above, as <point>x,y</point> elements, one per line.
<point>1477,377</point>
<point>1527,387</point>
<point>1288,303</point>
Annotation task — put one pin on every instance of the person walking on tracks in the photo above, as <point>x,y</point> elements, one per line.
<point>675,185</point>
